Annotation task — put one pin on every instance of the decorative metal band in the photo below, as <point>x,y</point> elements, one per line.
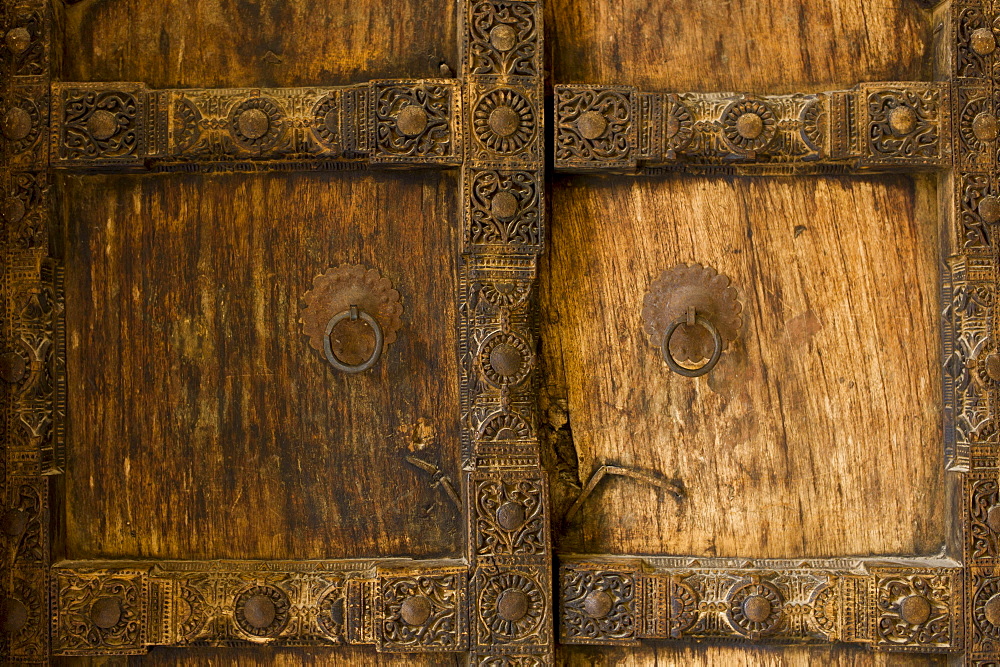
<point>874,126</point>
<point>126,125</point>
<point>899,606</point>
<point>32,361</point>
<point>125,608</point>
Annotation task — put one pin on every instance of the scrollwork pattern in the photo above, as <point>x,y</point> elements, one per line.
<point>914,610</point>
<point>509,517</point>
<point>594,126</point>
<point>100,614</point>
<point>504,209</point>
<point>441,626</point>
<point>431,136</point>
<point>84,134</point>
<point>598,606</point>
<point>502,38</point>
<point>913,132</point>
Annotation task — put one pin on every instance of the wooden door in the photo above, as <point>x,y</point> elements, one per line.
<point>493,333</point>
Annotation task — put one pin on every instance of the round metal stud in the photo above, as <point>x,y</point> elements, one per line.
<point>506,360</point>
<point>673,126</point>
<point>757,608</point>
<point>982,41</point>
<point>992,365</point>
<point>749,126</point>
<point>411,120</point>
<point>14,522</point>
<point>12,367</point>
<point>253,123</point>
<point>993,518</point>
<point>591,124</point>
<point>989,209</point>
<point>915,609</point>
<point>16,124</point>
<point>259,611</point>
<point>14,615</point>
<point>13,210</point>
<point>332,121</point>
<point>598,604</point>
<point>512,604</point>
<point>902,120</point>
<point>985,126</point>
<point>102,125</point>
<point>991,610</point>
<point>503,37</point>
<point>511,516</point>
<point>504,121</point>
<point>17,40</point>
<point>503,205</point>
<point>106,612</point>
<point>415,610</point>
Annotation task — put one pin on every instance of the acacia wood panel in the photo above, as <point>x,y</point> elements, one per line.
<point>203,425</point>
<point>776,46</point>
<point>745,656</point>
<point>272,657</point>
<point>818,433</point>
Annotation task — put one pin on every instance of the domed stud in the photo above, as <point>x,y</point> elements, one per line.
<point>14,522</point>
<point>415,610</point>
<point>503,205</point>
<point>902,121</point>
<point>989,209</point>
<point>982,41</point>
<point>993,518</point>
<point>512,605</point>
<point>506,360</point>
<point>991,610</point>
<point>411,120</point>
<point>510,516</point>
<point>915,609</point>
<point>259,611</point>
<point>253,123</point>
<point>13,615</point>
<point>12,367</point>
<point>106,612</point>
<point>757,608</point>
<point>17,40</point>
<point>503,37</point>
<point>102,125</point>
<point>985,126</point>
<point>598,604</point>
<point>13,210</point>
<point>504,121</point>
<point>332,121</point>
<point>16,124</point>
<point>749,126</point>
<point>591,124</point>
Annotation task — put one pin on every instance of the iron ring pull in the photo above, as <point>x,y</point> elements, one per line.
<point>353,313</point>
<point>692,318</point>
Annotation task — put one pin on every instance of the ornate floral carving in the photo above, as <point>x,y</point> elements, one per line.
<point>99,125</point>
<point>503,38</point>
<point>598,607</point>
<point>261,611</point>
<point>326,118</point>
<point>749,124</point>
<point>755,608</point>
<point>983,530</point>
<point>594,127</point>
<point>100,614</point>
<point>23,43</point>
<point>505,359</point>
<point>509,516</point>
<point>974,47</point>
<point>904,124</point>
<point>683,611</point>
<point>979,208</point>
<point>21,529</point>
<point>504,209</point>
<point>256,123</point>
<point>413,121</point>
<point>422,612</point>
<point>678,126</point>
<point>504,121</point>
<point>915,610</point>
<point>332,613</point>
<point>511,608</point>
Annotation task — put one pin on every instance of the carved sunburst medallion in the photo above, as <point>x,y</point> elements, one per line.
<point>262,611</point>
<point>678,127</point>
<point>511,605</point>
<point>504,426</point>
<point>505,359</point>
<point>504,121</point>
<point>326,121</point>
<point>749,125</point>
<point>987,608</point>
<point>255,123</point>
<point>755,609</point>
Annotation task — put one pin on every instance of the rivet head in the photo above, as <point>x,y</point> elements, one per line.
<point>106,612</point>
<point>17,40</point>
<point>102,125</point>
<point>749,125</point>
<point>259,611</point>
<point>510,515</point>
<point>16,124</point>
<point>13,210</point>
<point>591,124</point>
<point>512,604</point>
<point>14,522</point>
<point>982,41</point>
<point>12,367</point>
<point>503,205</point>
<point>504,121</point>
<point>993,518</point>
<point>331,121</point>
<point>991,610</point>
<point>985,126</point>
<point>598,604</point>
<point>253,123</point>
<point>757,608</point>
<point>915,609</point>
<point>411,120</point>
<point>14,615</point>
<point>415,610</point>
<point>902,120</point>
<point>503,37</point>
<point>506,360</point>
<point>989,209</point>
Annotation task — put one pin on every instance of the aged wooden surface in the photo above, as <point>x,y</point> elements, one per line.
<point>709,656</point>
<point>194,392</point>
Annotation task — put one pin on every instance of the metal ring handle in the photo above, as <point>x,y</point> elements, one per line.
<point>701,370</point>
<point>354,313</point>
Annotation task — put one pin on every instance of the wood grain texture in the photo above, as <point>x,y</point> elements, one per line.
<point>818,434</point>
<point>778,46</point>
<point>268,43</point>
<point>270,657</point>
<point>748,656</point>
<point>203,424</point>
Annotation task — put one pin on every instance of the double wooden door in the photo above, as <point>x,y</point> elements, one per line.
<point>497,333</point>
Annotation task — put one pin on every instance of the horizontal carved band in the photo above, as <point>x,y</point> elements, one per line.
<point>899,606</point>
<point>874,126</point>
<point>127,607</point>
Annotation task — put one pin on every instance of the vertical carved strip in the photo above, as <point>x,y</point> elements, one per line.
<point>31,358</point>
<point>504,230</point>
